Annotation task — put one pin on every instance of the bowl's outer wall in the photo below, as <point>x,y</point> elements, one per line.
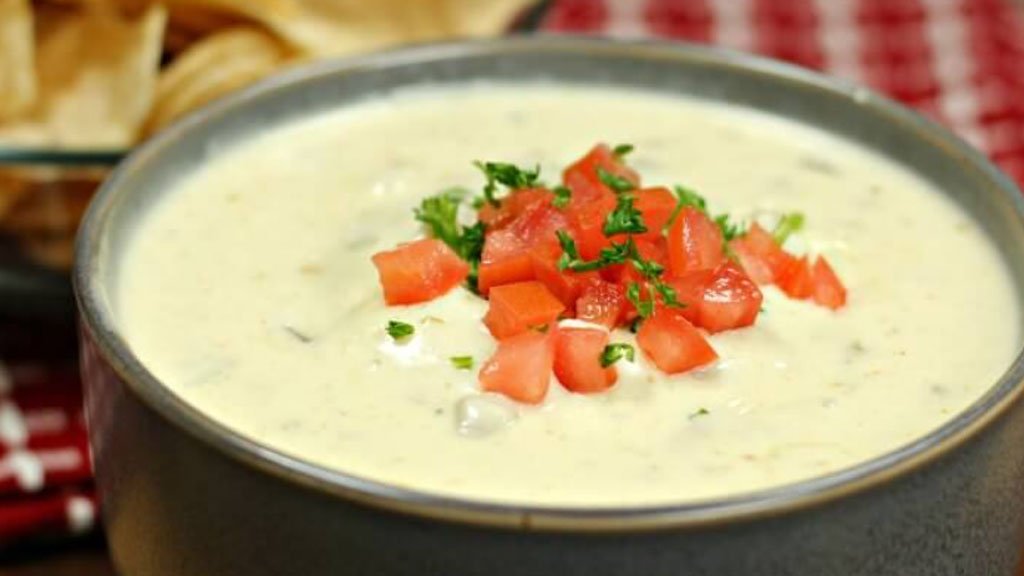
<point>175,505</point>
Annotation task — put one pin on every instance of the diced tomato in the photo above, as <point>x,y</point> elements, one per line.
<point>656,205</point>
<point>731,300</point>
<point>506,255</point>
<point>578,360</point>
<point>795,279</point>
<point>582,177</point>
<point>513,206</point>
<point>828,289</point>
<point>694,242</point>
<point>419,271</point>
<point>760,255</point>
<point>690,290</point>
<point>516,308</point>
<point>586,222</point>
<point>566,285</point>
<point>601,303</point>
<point>521,367</point>
<point>672,343</point>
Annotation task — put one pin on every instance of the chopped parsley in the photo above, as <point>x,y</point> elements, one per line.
<point>440,214</point>
<point>625,218</point>
<point>616,351</point>
<point>788,225</point>
<point>618,184</point>
<point>622,150</point>
<point>610,256</point>
<point>644,304</point>
<point>400,330</point>
<point>462,362</point>
<point>688,197</point>
<point>508,175</point>
<point>698,413</point>
<point>562,196</point>
<point>729,229</point>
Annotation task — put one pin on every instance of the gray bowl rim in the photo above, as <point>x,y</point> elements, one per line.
<point>98,323</point>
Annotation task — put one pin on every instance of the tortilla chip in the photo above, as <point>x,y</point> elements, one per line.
<point>337,27</point>
<point>320,28</point>
<point>97,75</point>
<point>17,69</point>
<point>213,67</point>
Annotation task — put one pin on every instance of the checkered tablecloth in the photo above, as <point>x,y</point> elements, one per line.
<point>959,61</point>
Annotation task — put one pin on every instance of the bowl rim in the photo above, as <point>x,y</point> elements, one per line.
<point>98,325</point>
<point>13,155</point>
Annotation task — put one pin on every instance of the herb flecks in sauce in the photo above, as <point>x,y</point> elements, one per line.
<point>616,351</point>
<point>399,331</point>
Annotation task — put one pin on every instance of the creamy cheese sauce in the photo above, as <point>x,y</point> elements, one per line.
<point>249,291</point>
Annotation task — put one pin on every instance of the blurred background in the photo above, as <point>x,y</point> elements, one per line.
<point>83,81</point>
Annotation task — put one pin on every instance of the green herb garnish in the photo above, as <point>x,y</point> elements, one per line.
<point>616,351</point>
<point>688,197</point>
<point>622,150</point>
<point>400,330</point>
<point>610,256</point>
<point>462,362</point>
<point>562,196</point>
<point>618,184</point>
<point>698,413</point>
<point>508,175</point>
<point>644,305</point>
<point>440,214</point>
<point>787,226</point>
<point>625,219</point>
<point>729,229</point>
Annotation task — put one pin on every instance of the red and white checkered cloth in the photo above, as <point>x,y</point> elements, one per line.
<point>960,61</point>
<point>45,473</point>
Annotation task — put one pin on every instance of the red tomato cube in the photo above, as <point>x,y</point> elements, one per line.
<point>690,290</point>
<point>582,176</point>
<point>601,303</point>
<point>694,243</point>
<point>513,206</point>
<point>578,360</point>
<point>566,285</point>
<point>795,279</point>
<point>419,271</point>
<point>517,308</point>
<point>828,289</point>
<point>760,255</point>
<point>506,255</point>
<point>672,343</point>
<point>586,218</point>
<point>730,300</point>
<point>656,205</point>
<point>521,367</point>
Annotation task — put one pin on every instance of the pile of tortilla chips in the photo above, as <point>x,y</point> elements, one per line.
<point>104,74</point>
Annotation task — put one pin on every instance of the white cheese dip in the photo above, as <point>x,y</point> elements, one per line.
<point>249,291</point>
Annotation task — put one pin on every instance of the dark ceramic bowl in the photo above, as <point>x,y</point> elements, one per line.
<point>184,495</point>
